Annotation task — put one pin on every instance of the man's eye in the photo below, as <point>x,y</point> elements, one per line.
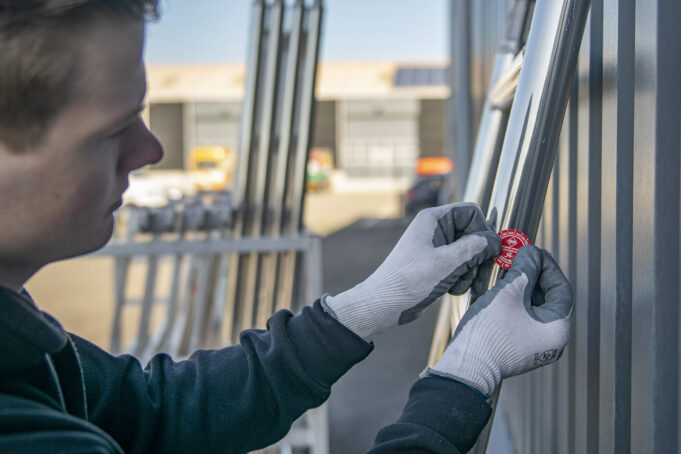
<point>119,132</point>
<point>116,134</point>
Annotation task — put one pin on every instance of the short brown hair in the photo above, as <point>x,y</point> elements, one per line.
<point>38,67</point>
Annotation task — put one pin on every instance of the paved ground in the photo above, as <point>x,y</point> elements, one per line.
<point>374,392</point>
<point>327,212</point>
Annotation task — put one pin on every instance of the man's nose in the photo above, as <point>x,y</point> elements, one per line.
<point>140,149</point>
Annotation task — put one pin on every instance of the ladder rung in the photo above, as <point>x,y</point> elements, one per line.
<point>501,95</point>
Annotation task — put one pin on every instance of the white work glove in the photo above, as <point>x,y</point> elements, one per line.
<point>519,325</point>
<point>439,252</point>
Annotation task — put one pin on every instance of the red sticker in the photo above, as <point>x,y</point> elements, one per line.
<point>511,241</point>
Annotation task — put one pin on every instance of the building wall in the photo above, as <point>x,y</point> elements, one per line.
<point>611,218</point>
<point>432,127</point>
<point>166,121</point>
<point>324,132</point>
<point>378,138</point>
<point>183,126</point>
<point>216,123</point>
<point>368,138</point>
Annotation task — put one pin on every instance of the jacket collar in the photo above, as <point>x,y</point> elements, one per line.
<point>26,334</point>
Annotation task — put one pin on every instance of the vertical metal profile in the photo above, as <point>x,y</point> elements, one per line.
<point>278,181</point>
<point>297,166</point>
<point>587,248</point>
<point>617,228</point>
<point>665,380</point>
<point>245,145</point>
<point>304,132</point>
<point>159,342</point>
<point>460,103</point>
<point>217,317</point>
<point>121,274</point>
<point>147,306</point>
<point>539,106</point>
<point>260,160</point>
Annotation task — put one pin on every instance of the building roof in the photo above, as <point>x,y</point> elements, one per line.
<point>336,80</point>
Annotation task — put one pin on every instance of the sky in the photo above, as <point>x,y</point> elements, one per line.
<point>214,31</point>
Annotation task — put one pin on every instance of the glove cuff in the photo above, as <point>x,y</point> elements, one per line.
<point>369,307</point>
<point>468,369</point>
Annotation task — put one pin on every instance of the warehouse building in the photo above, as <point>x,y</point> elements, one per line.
<point>375,118</point>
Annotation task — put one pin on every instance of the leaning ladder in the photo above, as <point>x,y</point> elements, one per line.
<point>530,86</point>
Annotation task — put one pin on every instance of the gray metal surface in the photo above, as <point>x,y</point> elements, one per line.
<point>611,218</point>
<point>461,140</point>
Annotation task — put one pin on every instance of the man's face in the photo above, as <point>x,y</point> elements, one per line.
<point>57,199</point>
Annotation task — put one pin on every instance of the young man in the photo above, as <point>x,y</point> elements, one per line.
<point>71,86</point>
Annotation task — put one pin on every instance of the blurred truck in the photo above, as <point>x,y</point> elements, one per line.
<point>212,168</point>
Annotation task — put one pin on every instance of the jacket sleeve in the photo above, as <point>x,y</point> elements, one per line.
<point>28,426</point>
<point>236,399</point>
<point>441,416</point>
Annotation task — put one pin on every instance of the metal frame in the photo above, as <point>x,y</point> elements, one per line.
<point>531,137</point>
<point>195,257</point>
<point>187,325</point>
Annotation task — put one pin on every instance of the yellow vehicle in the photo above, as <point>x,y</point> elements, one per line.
<point>212,167</point>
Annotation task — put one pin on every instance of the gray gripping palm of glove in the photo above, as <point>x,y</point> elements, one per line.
<point>519,325</point>
<point>439,252</point>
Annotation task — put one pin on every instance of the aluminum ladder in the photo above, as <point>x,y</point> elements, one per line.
<point>518,135</point>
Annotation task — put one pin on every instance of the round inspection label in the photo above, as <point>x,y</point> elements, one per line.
<point>511,241</point>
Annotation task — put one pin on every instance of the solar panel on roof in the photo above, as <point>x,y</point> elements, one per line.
<point>421,76</point>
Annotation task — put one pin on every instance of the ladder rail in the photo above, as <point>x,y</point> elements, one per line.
<point>488,145</point>
<point>532,132</point>
<point>534,126</point>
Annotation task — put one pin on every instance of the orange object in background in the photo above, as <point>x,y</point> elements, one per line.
<point>433,166</point>
<point>319,167</point>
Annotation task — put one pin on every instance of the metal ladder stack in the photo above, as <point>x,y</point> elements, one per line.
<point>275,138</point>
<point>518,134</point>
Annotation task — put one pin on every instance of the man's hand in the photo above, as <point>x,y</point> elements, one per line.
<point>439,252</point>
<point>519,325</point>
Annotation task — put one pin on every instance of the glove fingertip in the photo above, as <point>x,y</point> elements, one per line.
<point>556,287</point>
<point>528,261</point>
<point>493,243</point>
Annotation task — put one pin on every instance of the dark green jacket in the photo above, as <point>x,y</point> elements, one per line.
<point>60,393</point>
